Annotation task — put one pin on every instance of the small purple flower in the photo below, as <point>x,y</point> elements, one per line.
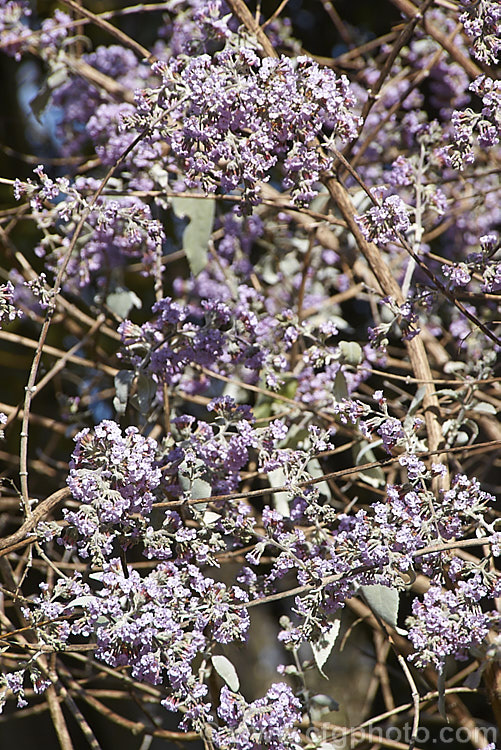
<point>381,224</point>
<point>390,431</point>
<point>458,274</point>
<point>8,309</point>
<point>446,624</point>
<point>267,722</point>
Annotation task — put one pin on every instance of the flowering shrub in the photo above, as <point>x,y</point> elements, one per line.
<point>269,280</point>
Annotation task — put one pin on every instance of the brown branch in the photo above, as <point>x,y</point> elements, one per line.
<point>38,514</point>
<point>123,38</point>
<point>454,51</point>
<point>58,719</point>
<point>389,286</point>
<point>242,12</point>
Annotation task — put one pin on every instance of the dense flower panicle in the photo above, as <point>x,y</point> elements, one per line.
<point>446,624</point>
<point>382,223</point>
<point>238,116</point>
<point>459,275</point>
<point>13,682</point>
<point>113,476</point>
<point>14,28</point>
<point>78,102</point>
<point>122,229</point>
<point>267,722</point>
<point>8,309</point>
<point>482,129</point>
<point>201,25</point>
<point>156,624</point>
<point>248,362</point>
<point>482,23</point>
<point>222,336</point>
<point>126,463</point>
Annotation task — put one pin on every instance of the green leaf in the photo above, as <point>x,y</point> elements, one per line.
<point>196,236</point>
<point>280,499</point>
<point>323,646</point>
<point>384,602</point>
<point>340,387</point>
<point>450,392</point>
<point>417,400</point>
<point>146,389</point>
<point>321,706</point>
<point>315,471</point>
<point>40,101</point>
<point>351,352</point>
<point>297,433</point>
<point>82,601</point>
<point>121,302</point>
<point>57,77</point>
<point>200,488</point>
<point>325,701</point>
<point>263,410</point>
<point>473,426</point>
<point>226,671</point>
<point>375,476</point>
<point>123,385</point>
<point>210,518</point>
<point>484,408</point>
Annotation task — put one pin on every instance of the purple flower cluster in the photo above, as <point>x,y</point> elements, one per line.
<point>458,274</point>
<point>13,682</point>
<point>78,102</point>
<point>122,229</point>
<point>232,118</point>
<point>14,29</point>
<point>114,477</point>
<point>482,23</point>
<point>221,450</point>
<point>483,127</point>
<point>8,309</point>
<point>448,623</point>
<point>382,223</point>
<point>156,624</point>
<point>178,336</point>
<point>223,336</point>
<point>202,25</point>
<point>160,622</point>
<point>267,722</point>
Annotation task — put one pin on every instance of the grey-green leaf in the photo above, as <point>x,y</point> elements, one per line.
<point>210,518</point>
<point>417,400</point>
<point>40,101</point>
<point>351,352</point>
<point>340,387</point>
<point>485,408</point>
<point>196,236</point>
<point>226,671</point>
<point>200,488</point>
<point>123,384</point>
<point>121,302</point>
<point>323,646</point>
<point>374,476</point>
<point>384,602</point>
<point>280,499</point>
<point>146,391</point>
<point>316,471</point>
<point>82,601</point>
